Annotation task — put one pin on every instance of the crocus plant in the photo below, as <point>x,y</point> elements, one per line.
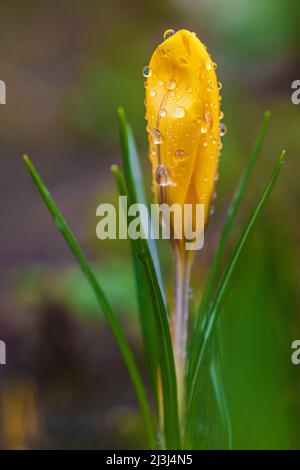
<point>183,123</point>
<point>184,129</point>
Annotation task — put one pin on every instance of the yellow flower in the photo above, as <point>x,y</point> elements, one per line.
<point>183,120</point>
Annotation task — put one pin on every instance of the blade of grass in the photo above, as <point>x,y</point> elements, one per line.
<point>218,382</point>
<point>145,314</point>
<point>162,336</point>
<point>208,325</point>
<point>229,221</point>
<point>216,373</point>
<point>134,181</point>
<point>145,254</point>
<point>103,302</point>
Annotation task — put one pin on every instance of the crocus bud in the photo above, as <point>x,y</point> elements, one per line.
<point>183,120</point>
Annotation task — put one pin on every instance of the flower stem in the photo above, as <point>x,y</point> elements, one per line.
<point>183,265</point>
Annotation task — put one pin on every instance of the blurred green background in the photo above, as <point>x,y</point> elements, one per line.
<point>67,67</point>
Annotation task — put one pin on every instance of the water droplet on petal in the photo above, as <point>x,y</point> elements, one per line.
<point>155,136</point>
<point>180,154</point>
<point>179,112</point>
<point>160,83</point>
<point>215,66</point>
<point>168,33</point>
<point>171,85</point>
<point>223,129</point>
<point>147,71</point>
<point>208,64</point>
<point>152,93</point>
<point>205,143</point>
<point>162,113</point>
<point>220,86</point>
<point>221,115</point>
<point>162,176</point>
<point>206,123</point>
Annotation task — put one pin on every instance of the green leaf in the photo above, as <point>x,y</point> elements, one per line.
<point>145,313</point>
<point>229,221</point>
<point>145,254</point>
<point>207,330</point>
<point>103,302</point>
<point>134,182</point>
<point>218,383</point>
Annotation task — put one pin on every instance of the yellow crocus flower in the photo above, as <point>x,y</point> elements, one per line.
<point>183,120</point>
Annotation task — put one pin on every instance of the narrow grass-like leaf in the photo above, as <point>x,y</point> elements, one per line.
<point>159,310</point>
<point>218,382</point>
<point>145,314</point>
<point>228,224</point>
<point>216,373</point>
<point>103,302</point>
<point>134,181</point>
<point>208,325</point>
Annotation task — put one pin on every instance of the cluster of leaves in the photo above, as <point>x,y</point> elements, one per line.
<point>204,342</point>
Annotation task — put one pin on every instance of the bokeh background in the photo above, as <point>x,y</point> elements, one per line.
<point>67,66</point>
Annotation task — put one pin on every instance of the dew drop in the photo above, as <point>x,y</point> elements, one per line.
<point>160,83</point>
<point>162,176</point>
<point>208,64</point>
<point>146,71</point>
<point>155,136</point>
<point>171,85</point>
<point>168,33</point>
<point>215,66</point>
<point>162,113</point>
<point>190,293</point>
<point>180,154</point>
<point>223,129</point>
<point>179,112</point>
<point>220,86</point>
<point>206,123</point>
<point>221,115</point>
<point>152,93</point>
<point>205,143</point>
